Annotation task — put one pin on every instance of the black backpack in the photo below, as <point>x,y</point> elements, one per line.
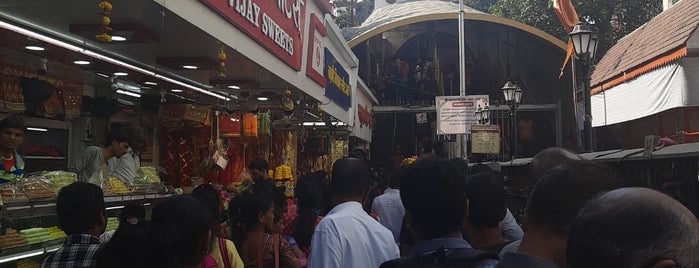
<point>442,258</point>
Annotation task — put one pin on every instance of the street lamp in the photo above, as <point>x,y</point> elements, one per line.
<point>585,42</point>
<point>513,95</point>
<point>483,115</point>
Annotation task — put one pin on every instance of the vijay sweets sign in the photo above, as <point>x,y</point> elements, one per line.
<point>338,87</point>
<point>277,25</point>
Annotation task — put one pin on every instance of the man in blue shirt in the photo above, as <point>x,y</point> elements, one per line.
<point>433,194</point>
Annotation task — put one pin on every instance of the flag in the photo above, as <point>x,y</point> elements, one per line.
<point>569,18</point>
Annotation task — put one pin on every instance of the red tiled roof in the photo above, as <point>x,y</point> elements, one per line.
<point>660,41</point>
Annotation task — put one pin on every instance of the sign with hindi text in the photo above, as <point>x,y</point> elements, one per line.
<point>485,139</point>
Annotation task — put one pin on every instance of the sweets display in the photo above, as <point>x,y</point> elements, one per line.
<point>112,223</point>
<point>147,174</point>
<point>36,235</point>
<point>37,188</point>
<point>12,193</point>
<point>56,233</point>
<point>27,263</point>
<point>11,239</point>
<point>60,179</point>
<point>283,172</point>
<point>114,186</point>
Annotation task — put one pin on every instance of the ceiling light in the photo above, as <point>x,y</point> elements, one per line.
<point>190,67</point>
<point>81,62</point>
<point>118,38</point>
<point>150,83</point>
<point>99,56</point>
<point>262,98</point>
<point>35,48</point>
<point>121,74</point>
<point>128,93</point>
<point>103,75</point>
<point>176,90</point>
<point>234,87</point>
<point>37,129</point>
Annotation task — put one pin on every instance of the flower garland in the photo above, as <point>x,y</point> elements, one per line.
<point>222,64</point>
<point>105,9</point>
<point>409,161</point>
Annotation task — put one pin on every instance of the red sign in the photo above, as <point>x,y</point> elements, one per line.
<point>365,118</point>
<point>276,25</point>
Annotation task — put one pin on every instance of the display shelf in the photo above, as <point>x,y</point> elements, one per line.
<point>30,250</point>
<point>35,157</point>
<point>39,208</point>
<point>48,206</point>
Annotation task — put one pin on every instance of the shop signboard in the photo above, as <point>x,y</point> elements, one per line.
<point>316,59</point>
<point>485,139</point>
<point>338,88</point>
<point>364,120</point>
<point>456,114</point>
<point>276,25</point>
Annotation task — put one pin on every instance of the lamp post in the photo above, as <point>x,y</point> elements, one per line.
<point>585,42</point>
<point>513,95</point>
<point>483,115</point>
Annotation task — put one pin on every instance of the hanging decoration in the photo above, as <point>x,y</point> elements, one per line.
<point>105,9</point>
<point>288,103</point>
<point>222,64</point>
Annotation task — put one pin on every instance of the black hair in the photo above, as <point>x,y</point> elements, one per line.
<point>259,164</point>
<point>461,163</point>
<point>486,199</point>
<point>132,210</point>
<point>128,244</point>
<point>395,179</point>
<point>633,227</point>
<point>180,226</point>
<point>244,211</point>
<point>351,177</point>
<point>13,122</point>
<point>561,192</point>
<point>433,193</point>
<point>550,158</point>
<point>207,195</point>
<point>116,136</point>
<point>309,197</point>
<point>322,174</point>
<point>479,168</point>
<point>80,207</point>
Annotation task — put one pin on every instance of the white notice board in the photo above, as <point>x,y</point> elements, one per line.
<point>456,114</point>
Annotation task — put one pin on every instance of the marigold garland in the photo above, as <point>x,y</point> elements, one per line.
<point>409,161</point>
<point>105,9</point>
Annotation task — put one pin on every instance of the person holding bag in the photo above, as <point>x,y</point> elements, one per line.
<point>253,218</point>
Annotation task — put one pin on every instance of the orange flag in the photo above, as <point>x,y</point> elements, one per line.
<point>569,18</point>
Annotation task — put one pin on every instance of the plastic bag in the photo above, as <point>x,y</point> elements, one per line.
<point>37,187</point>
<point>60,179</point>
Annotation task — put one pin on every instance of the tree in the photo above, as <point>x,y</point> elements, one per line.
<point>613,18</point>
<point>345,9</point>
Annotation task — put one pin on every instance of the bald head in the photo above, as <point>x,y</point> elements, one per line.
<point>634,228</point>
<point>351,177</point>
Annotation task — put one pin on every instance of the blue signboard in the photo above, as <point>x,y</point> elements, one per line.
<point>338,85</point>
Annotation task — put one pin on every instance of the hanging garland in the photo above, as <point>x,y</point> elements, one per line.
<point>222,64</point>
<point>105,9</point>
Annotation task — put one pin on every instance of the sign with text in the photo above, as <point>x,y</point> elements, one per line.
<point>456,114</point>
<point>485,139</point>
<point>316,60</point>
<point>276,25</point>
<point>338,87</point>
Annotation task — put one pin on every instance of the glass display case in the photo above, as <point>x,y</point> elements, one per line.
<point>46,145</point>
<point>29,229</point>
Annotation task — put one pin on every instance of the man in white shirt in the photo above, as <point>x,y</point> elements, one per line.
<point>389,207</point>
<point>348,236</point>
<point>125,167</point>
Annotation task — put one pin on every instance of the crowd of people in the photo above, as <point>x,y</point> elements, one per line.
<point>436,212</point>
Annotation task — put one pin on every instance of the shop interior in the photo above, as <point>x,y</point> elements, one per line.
<point>203,110</point>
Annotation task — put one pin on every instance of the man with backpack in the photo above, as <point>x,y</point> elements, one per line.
<point>432,191</point>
